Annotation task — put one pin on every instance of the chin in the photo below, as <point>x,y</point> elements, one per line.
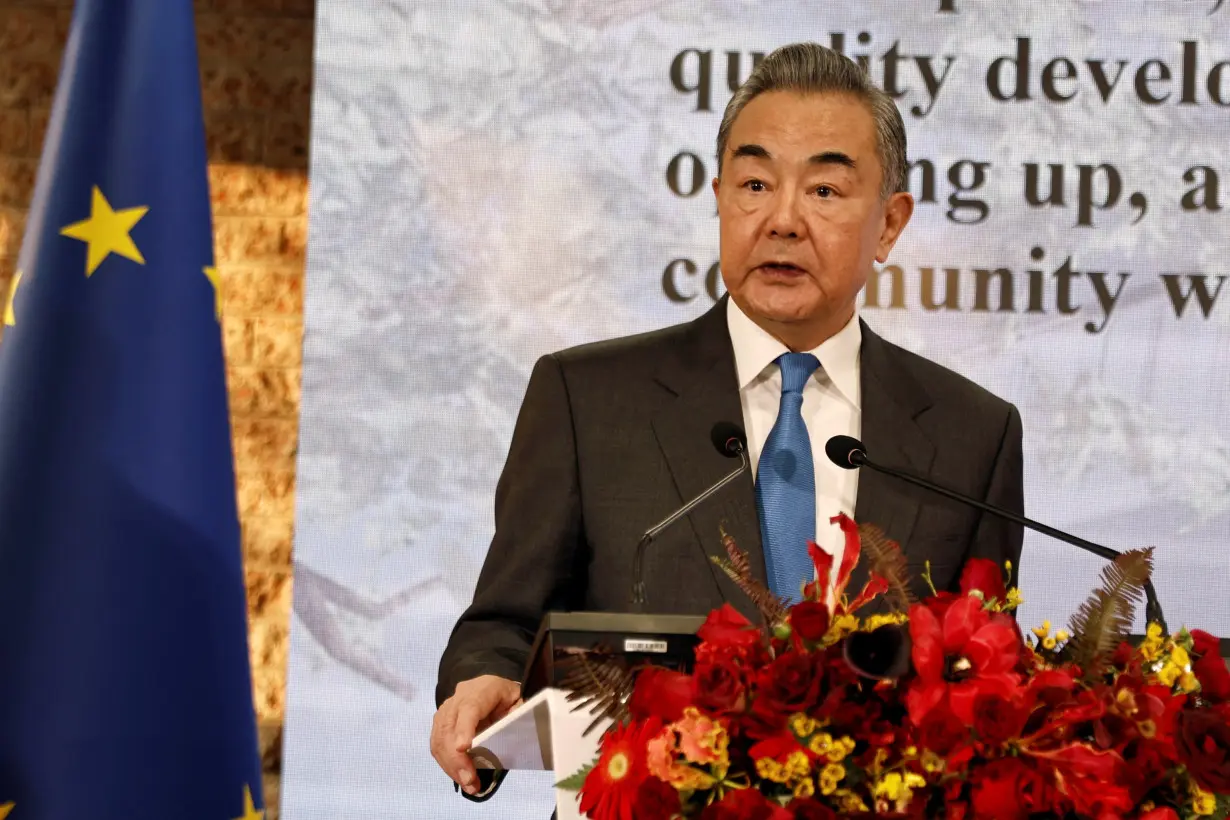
<point>782,304</point>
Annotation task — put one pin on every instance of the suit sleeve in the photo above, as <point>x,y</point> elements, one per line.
<point>995,538</point>
<point>531,565</point>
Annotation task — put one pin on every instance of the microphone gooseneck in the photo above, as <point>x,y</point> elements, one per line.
<point>729,440</point>
<point>849,453</point>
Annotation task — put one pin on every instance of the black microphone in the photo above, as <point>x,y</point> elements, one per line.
<point>730,441</point>
<point>849,453</point>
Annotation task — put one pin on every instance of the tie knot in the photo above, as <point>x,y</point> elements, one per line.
<point>796,370</point>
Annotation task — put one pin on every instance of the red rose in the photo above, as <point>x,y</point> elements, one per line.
<point>726,628</point>
<point>941,732</point>
<point>744,804</point>
<point>1008,789</point>
<point>983,576</point>
<point>660,693</point>
<point>790,684</point>
<point>998,719</point>
<point>1164,813</point>
<point>811,810</point>
<point>810,620</point>
<point>717,684</point>
<point>1209,668</point>
<point>1202,740</point>
<point>655,800</point>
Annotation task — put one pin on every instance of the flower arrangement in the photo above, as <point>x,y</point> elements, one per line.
<point>935,708</point>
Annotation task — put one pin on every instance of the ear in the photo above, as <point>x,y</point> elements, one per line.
<point>717,186</point>
<point>897,212</point>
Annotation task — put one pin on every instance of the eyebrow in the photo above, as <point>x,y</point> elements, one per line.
<point>823,158</point>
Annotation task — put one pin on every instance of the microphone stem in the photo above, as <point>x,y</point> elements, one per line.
<point>638,587</point>
<point>1153,608</point>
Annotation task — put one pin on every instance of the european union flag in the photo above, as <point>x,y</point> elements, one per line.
<point>124,682</point>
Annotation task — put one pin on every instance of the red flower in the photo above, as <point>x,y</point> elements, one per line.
<point>790,684</point>
<point>811,810</point>
<point>986,577</point>
<point>744,804</point>
<point>611,788</point>
<point>998,719</point>
<point>660,693</point>
<point>717,683</point>
<point>969,654</point>
<point>810,620</point>
<point>655,800</point>
<point>1008,789</point>
<point>941,732</point>
<point>726,628</point>
<point>1209,668</point>
<point>1164,813</point>
<point>1203,743</point>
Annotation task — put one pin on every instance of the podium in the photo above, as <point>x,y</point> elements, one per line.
<point>547,732</point>
<point>544,733</point>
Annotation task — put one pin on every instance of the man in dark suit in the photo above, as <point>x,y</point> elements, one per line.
<point>612,436</point>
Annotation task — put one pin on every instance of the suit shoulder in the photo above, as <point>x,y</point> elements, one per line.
<point>624,351</point>
<point>944,385</point>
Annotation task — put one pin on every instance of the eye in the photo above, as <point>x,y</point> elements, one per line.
<point>824,191</point>
<point>754,185</point>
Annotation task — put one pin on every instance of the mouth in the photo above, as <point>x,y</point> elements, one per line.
<point>781,269</point>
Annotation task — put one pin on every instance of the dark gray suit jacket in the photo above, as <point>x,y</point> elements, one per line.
<point>613,436</point>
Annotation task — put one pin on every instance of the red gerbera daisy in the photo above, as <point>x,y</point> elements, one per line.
<point>610,788</point>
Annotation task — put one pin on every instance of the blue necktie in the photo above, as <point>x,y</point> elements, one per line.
<point>786,485</point>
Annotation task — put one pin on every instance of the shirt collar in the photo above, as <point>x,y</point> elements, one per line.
<point>755,350</point>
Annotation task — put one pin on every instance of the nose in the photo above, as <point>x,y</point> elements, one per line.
<point>785,221</point>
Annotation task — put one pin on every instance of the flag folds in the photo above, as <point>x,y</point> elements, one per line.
<point>125,690</point>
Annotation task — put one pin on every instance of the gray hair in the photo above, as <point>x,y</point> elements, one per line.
<point>810,68</point>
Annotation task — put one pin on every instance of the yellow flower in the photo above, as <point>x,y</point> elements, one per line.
<point>798,765</point>
<point>1062,635</point>
<point>1153,631</point>
<point>1188,682</point>
<point>891,786</point>
<point>842,625</point>
<point>1203,803</point>
<point>883,619</point>
<point>821,744</point>
<point>1168,674</point>
<point>804,789</point>
<point>1048,643</point>
<point>850,802</point>
<point>1015,599</point>
<point>1042,631</point>
<point>932,762</point>
<point>802,725</point>
<point>831,775</point>
<point>841,749</point>
<point>770,769</point>
<point>1179,656</point>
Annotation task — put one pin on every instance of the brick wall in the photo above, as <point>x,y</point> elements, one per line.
<point>256,81</point>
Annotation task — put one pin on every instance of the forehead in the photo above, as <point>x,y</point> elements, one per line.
<point>790,122</point>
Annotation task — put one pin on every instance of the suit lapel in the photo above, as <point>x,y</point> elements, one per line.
<point>702,378</point>
<point>892,400</point>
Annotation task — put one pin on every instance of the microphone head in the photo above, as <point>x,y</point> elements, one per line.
<point>846,452</point>
<point>728,438</point>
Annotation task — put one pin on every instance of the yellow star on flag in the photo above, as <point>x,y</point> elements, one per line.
<point>249,810</point>
<point>106,232</point>
<point>5,808</point>
<point>214,279</point>
<point>10,319</point>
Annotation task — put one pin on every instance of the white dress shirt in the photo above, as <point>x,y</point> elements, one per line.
<point>831,406</point>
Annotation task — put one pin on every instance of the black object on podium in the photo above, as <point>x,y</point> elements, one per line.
<point>661,640</point>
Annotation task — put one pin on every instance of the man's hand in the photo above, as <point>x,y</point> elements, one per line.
<point>475,705</point>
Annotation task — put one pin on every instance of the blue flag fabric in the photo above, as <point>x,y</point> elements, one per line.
<point>125,689</point>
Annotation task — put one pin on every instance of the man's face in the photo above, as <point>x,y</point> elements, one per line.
<point>801,214</point>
